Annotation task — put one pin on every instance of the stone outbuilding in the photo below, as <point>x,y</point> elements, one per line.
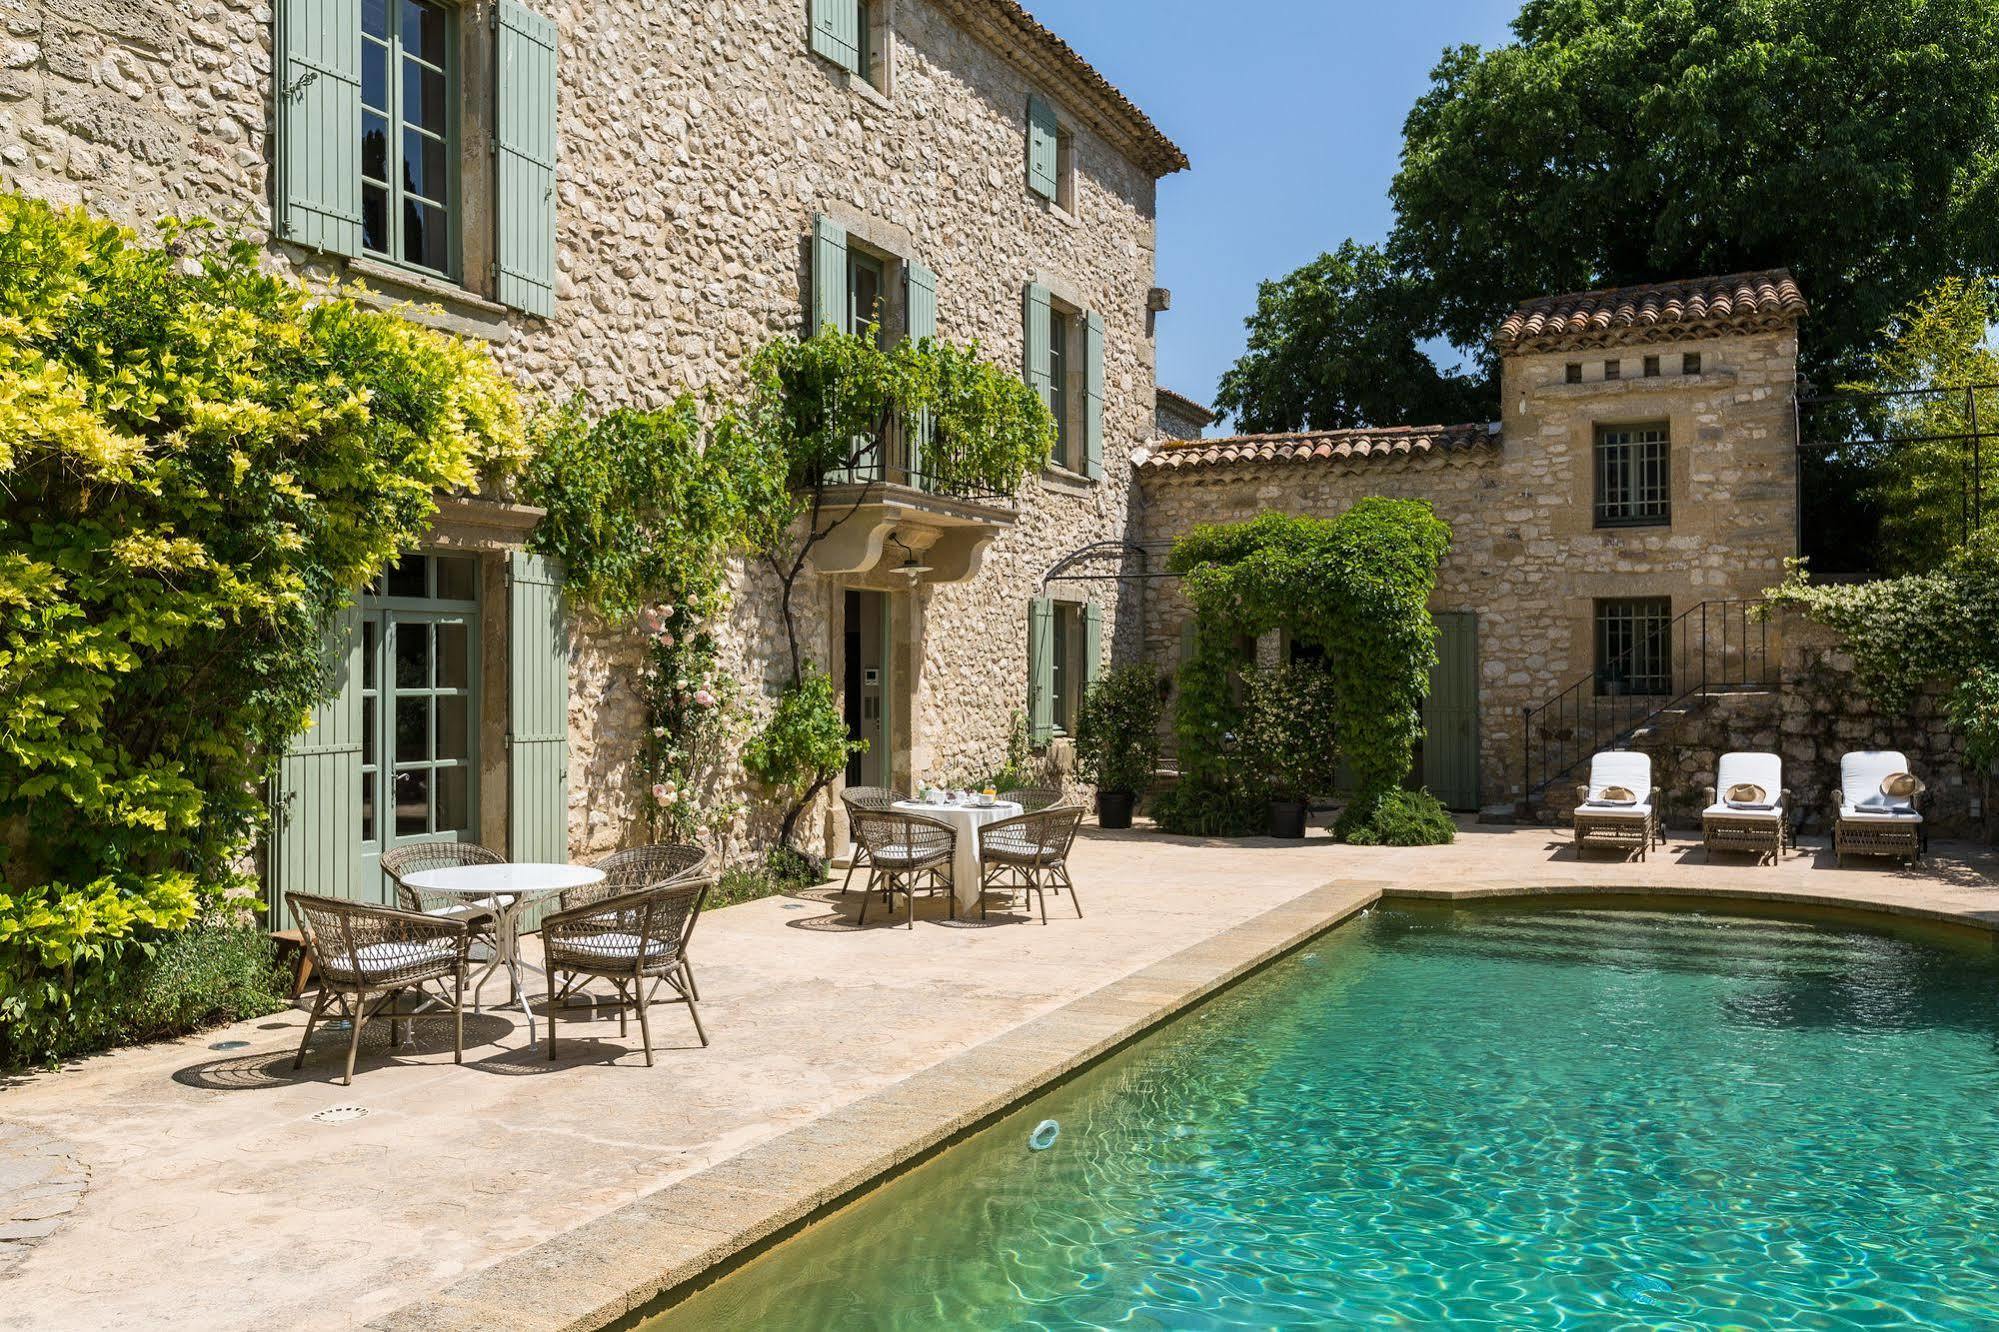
<point>1638,489</point>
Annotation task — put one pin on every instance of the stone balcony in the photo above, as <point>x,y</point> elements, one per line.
<point>894,533</point>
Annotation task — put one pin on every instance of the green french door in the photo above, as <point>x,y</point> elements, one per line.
<point>419,710</point>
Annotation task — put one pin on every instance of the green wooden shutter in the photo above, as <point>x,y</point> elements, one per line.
<point>1040,670</point>
<point>524,159</point>
<point>836,32</point>
<point>1093,642</point>
<point>919,305</point>
<point>316,795</point>
<point>1038,316</point>
<point>318,106</point>
<point>829,276</point>
<point>1450,713</point>
<point>537,711</point>
<point>1093,396</point>
<point>1043,148</point>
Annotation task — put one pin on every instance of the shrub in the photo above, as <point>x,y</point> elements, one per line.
<point>802,747</point>
<point>1290,747</point>
<point>199,462</point>
<point>1396,818</point>
<point>1117,729</point>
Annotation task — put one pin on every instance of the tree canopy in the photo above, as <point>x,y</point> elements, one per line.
<point>1623,141</point>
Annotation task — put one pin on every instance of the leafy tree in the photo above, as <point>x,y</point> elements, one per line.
<point>1623,141</point>
<point>1333,345</point>
<point>1923,471</point>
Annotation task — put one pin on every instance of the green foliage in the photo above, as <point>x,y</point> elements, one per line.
<point>782,871</point>
<point>1023,767</point>
<point>1396,818</point>
<point>199,461</point>
<point>1974,711</point>
<point>1117,729</point>
<point>1908,632</point>
<point>1289,744</point>
<point>1920,487</point>
<point>803,745</point>
<point>168,985</point>
<point>643,511</point>
<point>1358,586</point>
<point>1330,348</point>
<point>1621,141</point>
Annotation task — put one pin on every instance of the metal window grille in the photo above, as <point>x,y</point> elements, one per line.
<point>1613,369</point>
<point>1690,363</point>
<point>1573,373</point>
<point>1632,476</point>
<point>1651,367</point>
<point>1633,647</point>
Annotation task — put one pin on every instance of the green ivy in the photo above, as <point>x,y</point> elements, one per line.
<point>1290,744</point>
<point>199,462</point>
<point>1358,586</point>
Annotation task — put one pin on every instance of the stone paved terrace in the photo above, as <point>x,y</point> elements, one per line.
<point>215,1199</point>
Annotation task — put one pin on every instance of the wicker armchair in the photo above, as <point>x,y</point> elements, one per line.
<point>629,940</point>
<point>1033,799</point>
<point>905,852</point>
<point>402,861</point>
<point>878,798</point>
<point>1030,852</point>
<point>360,950</point>
<point>640,867</point>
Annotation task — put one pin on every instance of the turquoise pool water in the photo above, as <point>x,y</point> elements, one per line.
<point>1485,1118</point>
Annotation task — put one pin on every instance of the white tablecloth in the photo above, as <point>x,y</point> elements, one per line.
<point>967,820</point>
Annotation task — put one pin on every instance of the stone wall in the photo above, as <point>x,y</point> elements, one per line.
<point>697,142</point>
<point>1526,555</point>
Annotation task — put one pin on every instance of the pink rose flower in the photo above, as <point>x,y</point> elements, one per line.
<point>704,698</point>
<point>661,791</point>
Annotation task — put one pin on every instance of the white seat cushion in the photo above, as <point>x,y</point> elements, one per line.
<point>379,957</point>
<point>1853,815</point>
<point>1726,810</point>
<point>615,946</point>
<point>1861,774</point>
<point>1599,809</point>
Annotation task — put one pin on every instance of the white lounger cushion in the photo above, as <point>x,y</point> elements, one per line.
<point>1860,776</point>
<point>1726,810</point>
<point>1852,815</point>
<point>1764,770</point>
<point>1620,767</point>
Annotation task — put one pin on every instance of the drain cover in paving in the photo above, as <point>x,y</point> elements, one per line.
<point>341,1114</point>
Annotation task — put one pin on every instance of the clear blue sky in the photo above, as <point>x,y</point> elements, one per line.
<point>1292,113</point>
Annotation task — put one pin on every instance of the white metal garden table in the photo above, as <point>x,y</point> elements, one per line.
<point>507,891</point>
<point>965,820</point>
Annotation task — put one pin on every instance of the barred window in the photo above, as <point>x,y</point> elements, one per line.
<point>1634,646</point>
<point>1632,476</point>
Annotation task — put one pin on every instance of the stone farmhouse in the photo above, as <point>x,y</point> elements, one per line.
<point>1643,474</point>
<point>625,199</point>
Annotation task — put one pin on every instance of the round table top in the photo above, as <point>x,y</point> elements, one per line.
<point>999,809</point>
<point>523,880</point>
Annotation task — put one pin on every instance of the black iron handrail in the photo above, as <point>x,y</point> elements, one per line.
<point>1712,647</point>
<point>917,459</point>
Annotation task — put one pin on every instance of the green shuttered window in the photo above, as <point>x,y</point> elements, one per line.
<point>1064,655</point>
<point>369,122</point>
<point>1044,149</point>
<point>316,795</point>
<point>829,276</point>
<point>1052,338</point>
<point>1093,396</point>
<point>524,159</point>
<point>836,32</point>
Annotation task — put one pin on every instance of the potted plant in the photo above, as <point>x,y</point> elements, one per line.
<point>1117,739</point>
<point>1289,745</point>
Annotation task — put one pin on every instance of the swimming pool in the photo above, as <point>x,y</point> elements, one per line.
<point>1498,1116</point>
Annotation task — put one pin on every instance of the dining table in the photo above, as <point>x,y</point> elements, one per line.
<point>965,817</point>
<point>507,890</point>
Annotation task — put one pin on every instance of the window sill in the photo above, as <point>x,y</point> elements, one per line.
<point>437,303</point>
<point>1058,212</point>
<point>1056,477</point>
<point>1649,525</point>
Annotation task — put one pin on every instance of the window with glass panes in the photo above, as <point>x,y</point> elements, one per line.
<point>1058,378</point>
<point>407,71</point>
<point>1634,645</point>
<point>1066,675</point>
<point>419,712</point>
<point>1632,476</point>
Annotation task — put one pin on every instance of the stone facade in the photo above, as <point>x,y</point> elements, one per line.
<point>1180,417</point>
<point>697,143</point>
<point>1527,556</point>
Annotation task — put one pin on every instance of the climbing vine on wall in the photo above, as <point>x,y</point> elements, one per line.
<point>643,507</point>
<point>1358,586</point>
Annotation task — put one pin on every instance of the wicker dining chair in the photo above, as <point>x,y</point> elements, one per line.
<point>628,871</point>
<point>629,940</point>
<point>1032,799</point>
<point>402,861</point>
<point>905,852</point>
<point>359,950</point>
<point>877,798</point>
<point>1030,852</point>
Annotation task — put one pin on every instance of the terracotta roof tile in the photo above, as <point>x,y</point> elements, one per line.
<point>1352,447</point>
<point>1659,312</point>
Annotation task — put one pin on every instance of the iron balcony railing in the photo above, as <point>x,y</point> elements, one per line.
<point>1714,647</point>
<point>915,458</point>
